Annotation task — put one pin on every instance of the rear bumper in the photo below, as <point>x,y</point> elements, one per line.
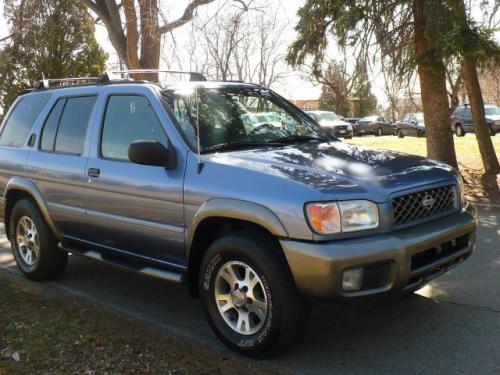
<point>317,268</point>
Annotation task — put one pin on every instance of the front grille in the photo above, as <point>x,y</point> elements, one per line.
<point>423,204</point>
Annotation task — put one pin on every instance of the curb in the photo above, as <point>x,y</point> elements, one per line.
<point>486,205</point>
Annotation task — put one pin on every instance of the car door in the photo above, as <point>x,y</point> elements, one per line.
<point>403,124</point>
<point>132,208</point>
<point>58,166</point>
<point>467,119</point>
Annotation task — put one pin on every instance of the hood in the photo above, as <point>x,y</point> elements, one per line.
<point>341,170</point>
<point>332,124</point>
<point>493,117</point>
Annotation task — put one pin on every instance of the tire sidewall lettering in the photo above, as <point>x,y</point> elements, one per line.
<point>207,277</point>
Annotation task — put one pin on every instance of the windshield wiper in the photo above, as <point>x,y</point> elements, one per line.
<point>299,138</point>
<point>237,146</point>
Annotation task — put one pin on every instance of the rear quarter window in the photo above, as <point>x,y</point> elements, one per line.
<point>21,119</point>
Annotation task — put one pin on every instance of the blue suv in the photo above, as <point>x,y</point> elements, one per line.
<point>255,218</point>
<point>461,120</point>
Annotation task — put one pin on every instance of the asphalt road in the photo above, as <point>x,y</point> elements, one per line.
<point>451,327</point>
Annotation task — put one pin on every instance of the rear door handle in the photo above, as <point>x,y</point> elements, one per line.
<point>93,172</point>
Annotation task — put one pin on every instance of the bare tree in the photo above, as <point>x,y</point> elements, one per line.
<point>242,43</point>
<point>135,31</point>
<point>490,84</point>
<point>338,80</point>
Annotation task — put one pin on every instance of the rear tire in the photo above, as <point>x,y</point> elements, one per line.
<point>33,244</point>
<point>459,131</point>
<point>259,315</point>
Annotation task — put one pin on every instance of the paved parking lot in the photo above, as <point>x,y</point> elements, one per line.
<point>451,327</point>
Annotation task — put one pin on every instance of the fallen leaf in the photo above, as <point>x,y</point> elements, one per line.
<point>97,342</point>
<point>16,357</point>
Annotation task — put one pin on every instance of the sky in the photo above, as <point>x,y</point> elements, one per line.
<point>292,86</point>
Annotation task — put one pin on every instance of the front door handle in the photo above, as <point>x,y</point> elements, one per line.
<point>93,172</point>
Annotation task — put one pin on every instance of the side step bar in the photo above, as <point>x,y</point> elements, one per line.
<point>157,273</point>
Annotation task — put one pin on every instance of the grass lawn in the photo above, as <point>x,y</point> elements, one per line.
<point>46,331</point>
<point>468,156</point>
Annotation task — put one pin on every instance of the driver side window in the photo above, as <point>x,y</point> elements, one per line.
<point>128,118</point>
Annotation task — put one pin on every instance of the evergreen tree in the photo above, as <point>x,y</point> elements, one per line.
<point>363,102</point>
<point>51,38</point>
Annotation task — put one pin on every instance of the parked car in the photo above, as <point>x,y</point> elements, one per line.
<point>354,123</point>
<point>376,125</point>
<point>254,120</point>
<point>332,123</point>
<point>461,119</point>
<point>163,179</point>
<point>412,124</point>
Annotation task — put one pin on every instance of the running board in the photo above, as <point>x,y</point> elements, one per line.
<point>157,273</point>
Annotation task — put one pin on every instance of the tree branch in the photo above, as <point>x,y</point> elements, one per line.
<point>186,16</point>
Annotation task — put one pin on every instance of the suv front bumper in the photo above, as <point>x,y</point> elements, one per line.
<point>400,261</point>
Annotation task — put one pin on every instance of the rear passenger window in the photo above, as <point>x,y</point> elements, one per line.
<point>50,127</point>
<point>66,127</point>
<point>128,118</point>
<point>72,129</point>
<point>21,119</point>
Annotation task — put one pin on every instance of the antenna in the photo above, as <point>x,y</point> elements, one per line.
<point>200,164</point>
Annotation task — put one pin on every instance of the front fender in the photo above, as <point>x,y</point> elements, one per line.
<point>240,210</point>
<point>29,187</point>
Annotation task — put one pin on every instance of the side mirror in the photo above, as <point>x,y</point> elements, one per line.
<point>151,152</point>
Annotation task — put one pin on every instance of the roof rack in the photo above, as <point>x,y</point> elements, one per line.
<point>62,82</point>
<point>193,76</point>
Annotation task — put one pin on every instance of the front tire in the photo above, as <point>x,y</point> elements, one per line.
<point>249,296</point>
<point>380,132</point>
<point>33,244</point>
<point>399,133</point>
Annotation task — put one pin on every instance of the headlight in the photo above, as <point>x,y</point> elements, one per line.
<point>349,127</point>
<point>345,216</point>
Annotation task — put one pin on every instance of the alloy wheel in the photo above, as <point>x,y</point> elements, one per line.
<point>27,240</point>
<point>241,298</point>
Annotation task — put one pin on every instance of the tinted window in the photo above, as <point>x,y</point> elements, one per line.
<point>73,125</point>
<point>467,112</point>
<point>50,127</point>
<point>458,112</point>
<point>128,119</point>
<point>21,119</point>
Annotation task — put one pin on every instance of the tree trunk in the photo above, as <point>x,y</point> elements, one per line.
<point>431,71</point>
<point>486,149</point>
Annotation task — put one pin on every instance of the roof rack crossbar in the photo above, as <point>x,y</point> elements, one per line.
<point>193,76</point>
<point>47,83</point>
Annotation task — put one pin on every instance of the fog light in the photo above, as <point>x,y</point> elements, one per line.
<point>351,279</point>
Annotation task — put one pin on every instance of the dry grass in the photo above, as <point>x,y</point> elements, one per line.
<point>468,156</point>
<point>45,331</point>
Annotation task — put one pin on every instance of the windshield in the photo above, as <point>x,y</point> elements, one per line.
<point>420,117</point>
<point>328,116</point>
<point>239,116</point>
<point>369,118</point>
<point>492,111</point>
